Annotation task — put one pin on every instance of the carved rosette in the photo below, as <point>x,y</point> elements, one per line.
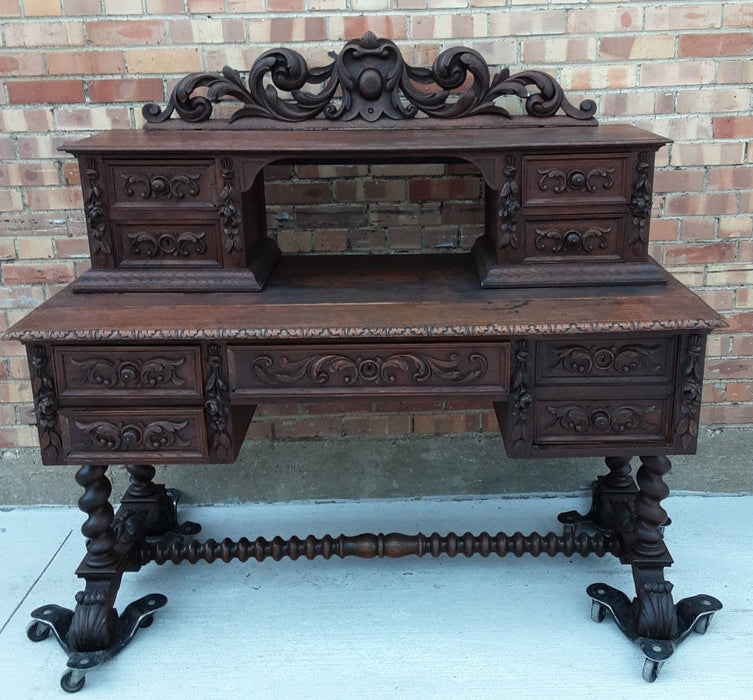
<point>229,214</point>
<point>624,360</point>
<point>217,393</point>
<point>640,205</point>
<point>153,186</point>
<point>369,79</point>
<point>110,374</point>
<point>46,408</point>
<point>179,245</point>
<point>691,386</point>
<point>95,212</point>
<point>134,436</point>
<point>373,370</point>
<point>521,400</point>
<point>575,180</point>
<point>509,205</point>
<point>567,240</point>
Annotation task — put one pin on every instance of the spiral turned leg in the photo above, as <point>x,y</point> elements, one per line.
<point>100,545</point>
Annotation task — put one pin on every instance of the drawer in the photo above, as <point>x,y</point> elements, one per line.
<point>134,434</point>
<point>576,179</point>
<point>196,243</point>
<point>591,362</point>
<point>105,373</point>
<point>474,369</point>
<point>604,421</point>
<point>140,183</point>
<point>586,238</point>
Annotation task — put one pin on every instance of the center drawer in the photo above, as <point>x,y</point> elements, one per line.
<point>474,369</point>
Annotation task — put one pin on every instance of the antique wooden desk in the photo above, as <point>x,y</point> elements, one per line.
<point>187,321</point>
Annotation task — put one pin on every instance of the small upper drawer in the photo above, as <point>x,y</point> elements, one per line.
<point>475,369</point>
<point>137,372</point>
<point>645,360</point>
<point>576,179</point>
<point>142,183</point>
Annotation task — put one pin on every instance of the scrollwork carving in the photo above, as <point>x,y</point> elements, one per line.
<point>375,370</point>
<point>623,360</point>
<point>571,239</point>
<point>175,244</point>
<point>575,180</point>
<point>175,186</point>
<point>580,419</point>
<point>137,435</point>
<point>151,373</point>
<point>370,80</point>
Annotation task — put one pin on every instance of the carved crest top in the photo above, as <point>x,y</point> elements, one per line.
<point>369,80</point>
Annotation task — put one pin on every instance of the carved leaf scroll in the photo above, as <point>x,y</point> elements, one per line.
<point>369,79</point>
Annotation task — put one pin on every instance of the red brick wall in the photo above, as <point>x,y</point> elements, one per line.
<point>72,67</point>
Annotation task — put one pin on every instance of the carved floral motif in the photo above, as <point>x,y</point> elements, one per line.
<point>46,402</point>
<point>217,401</point>
<point>94,210</point>
<point>640,204</point>
<point>369,79</point>
<point>231,219</point>
<point>691,387</point>
<point>175,244</point>
<point>419,369</point>
<point>571,239</point>
<point>520,395</point>
<point>175,186</point>
<point>509,205</point>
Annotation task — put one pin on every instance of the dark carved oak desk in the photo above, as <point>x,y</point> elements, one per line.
<point>187,321</point>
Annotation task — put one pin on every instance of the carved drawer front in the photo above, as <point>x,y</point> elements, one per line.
<point>141,183</point>
<point>195,243</point>
<point>475,369</point>
<point>138,434</point>
<point>576,179</point>
<point>638,360</point>
<point>586,238</point>
<point>106,373</point>
<point>604,421</point>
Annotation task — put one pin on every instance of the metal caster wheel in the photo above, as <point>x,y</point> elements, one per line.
<point>598,611</point>
<point>146,622</point>
<point>651,670</point>
<point>72,681</point>
<point>37,631</point>
<point>702,625</point>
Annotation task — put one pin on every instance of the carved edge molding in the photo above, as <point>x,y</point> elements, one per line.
<point>370,80</point>
<point>46,408</point>
<point>332,333</point>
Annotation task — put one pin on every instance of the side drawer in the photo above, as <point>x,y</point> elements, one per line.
<point>134,434</point>
<point>576,179</point>
<point>474,369</point>
<point>142,183</point>
<point>587,422</point>
<point>106,373</point>
<point>609,361</point>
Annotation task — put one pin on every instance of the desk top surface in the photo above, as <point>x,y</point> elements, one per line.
<point>369,297</point>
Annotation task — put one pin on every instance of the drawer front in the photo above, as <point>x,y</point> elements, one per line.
<point>105,373</point>
<point>137,434</point>
<point>195,243</point>
<point>139,183</point>
<point>644,360</point>
<point>375,368</point>
<point>584,422</point>
<point>586,238</point>
<point>576,179</point>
